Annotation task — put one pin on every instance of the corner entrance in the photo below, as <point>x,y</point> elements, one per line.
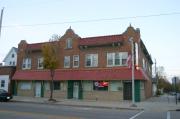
<point>127,91</point>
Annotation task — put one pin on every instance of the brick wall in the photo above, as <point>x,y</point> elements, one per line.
<point>103,95</point>
<point>24,51</point>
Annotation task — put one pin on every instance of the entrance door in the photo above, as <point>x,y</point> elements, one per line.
<point>127,91</point>
<point>38,89</point>
<point>76,90</point>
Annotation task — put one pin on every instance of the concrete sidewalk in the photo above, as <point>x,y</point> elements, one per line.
<point>154,103</point>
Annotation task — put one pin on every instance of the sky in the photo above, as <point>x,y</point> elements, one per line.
<point>37,20</point>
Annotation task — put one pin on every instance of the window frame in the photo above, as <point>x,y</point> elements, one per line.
<point>25,86</point>
<point>69,61</point>
<point>40,61</point>
<point>116,56</point>
<point>55,84</point>
<point>93,60</point>
<point>12,56</point>
<point>69,43</point>
<point>75,60</point>
<point>26,64</point>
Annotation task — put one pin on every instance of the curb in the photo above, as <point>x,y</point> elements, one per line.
<point>87,106</point>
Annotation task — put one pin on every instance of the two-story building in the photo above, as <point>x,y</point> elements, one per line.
<point>93,68</point>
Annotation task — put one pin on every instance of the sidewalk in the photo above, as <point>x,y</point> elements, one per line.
<point>154,103</point>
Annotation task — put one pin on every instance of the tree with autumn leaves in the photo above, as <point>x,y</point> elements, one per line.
<point>50,52</point>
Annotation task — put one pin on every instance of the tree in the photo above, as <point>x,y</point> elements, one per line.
<point>50,51</point>
<point>163,83</point>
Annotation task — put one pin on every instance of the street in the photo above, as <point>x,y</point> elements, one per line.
<point>17,110</point>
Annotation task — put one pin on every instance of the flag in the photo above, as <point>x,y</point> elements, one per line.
<point>129,61</point>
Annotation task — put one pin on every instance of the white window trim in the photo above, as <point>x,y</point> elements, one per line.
<point>27,63</point>
<point>75,60</point>
<point>91,56</point>
<point>113,57</point>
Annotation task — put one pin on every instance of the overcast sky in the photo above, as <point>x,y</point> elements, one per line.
<point>158,20</point>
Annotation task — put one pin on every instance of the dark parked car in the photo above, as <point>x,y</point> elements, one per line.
<point>4,95</point>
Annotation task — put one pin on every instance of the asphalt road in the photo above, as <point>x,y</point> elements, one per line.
<point>19,110</point>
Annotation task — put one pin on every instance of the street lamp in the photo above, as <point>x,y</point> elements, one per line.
<point>132,59</point>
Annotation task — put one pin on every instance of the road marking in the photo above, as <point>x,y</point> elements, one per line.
<point>168,115</point>
<point>133,117</point>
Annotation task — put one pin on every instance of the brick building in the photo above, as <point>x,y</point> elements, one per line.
<point>92,68</point>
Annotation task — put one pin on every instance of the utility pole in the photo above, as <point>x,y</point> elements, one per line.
<point>132,59</point>
<point>156,78</point>
<point>175,89</point>
<point>2,10</point>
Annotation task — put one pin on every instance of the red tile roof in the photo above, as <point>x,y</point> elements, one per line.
<point>69,74</point>
<point>101,40</point>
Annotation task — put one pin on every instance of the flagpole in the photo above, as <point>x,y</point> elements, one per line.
<point>2,10</point>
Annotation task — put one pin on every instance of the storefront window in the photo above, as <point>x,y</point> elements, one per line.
<point>57,85</point>
<point>25,85</point>
<point>115,86</point>
<point>100,85</point>
<point>87,85</point>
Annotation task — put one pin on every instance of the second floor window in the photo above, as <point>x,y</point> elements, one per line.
<point>91,60</point>
<point>117,59</point>
<point>69,43</point>
<point>67,62</point>
<point>26,63</point>
<point>40,63</point>
<point>76,61</point>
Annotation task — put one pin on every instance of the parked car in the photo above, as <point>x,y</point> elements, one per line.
<point>172,93</point>
<point>178,96</point>
<point>4,95</point>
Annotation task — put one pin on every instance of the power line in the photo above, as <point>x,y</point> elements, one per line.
<point>95,20</point>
